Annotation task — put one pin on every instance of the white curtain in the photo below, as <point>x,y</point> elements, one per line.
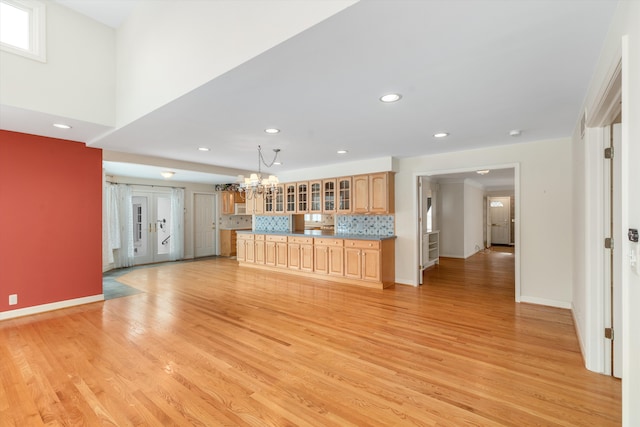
<point>121,225</point>
<point>176,243</point>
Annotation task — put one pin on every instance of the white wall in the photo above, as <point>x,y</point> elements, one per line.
<point>545,217</point>
<point>451,214</point>
<point>623,41</point>
<point>78,79</point>
<point>473,218</point>
<point>166,49</point>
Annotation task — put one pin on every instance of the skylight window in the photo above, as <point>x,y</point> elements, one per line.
<point>22,28</point>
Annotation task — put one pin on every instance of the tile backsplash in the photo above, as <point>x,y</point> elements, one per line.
<point>272,223</point>
<point>364,225</point>
<point>235,221</point>
<point>378,225</point>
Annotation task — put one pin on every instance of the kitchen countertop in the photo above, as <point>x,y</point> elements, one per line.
<point>319,233</point>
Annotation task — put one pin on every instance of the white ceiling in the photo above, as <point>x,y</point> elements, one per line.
<point>476,69</point>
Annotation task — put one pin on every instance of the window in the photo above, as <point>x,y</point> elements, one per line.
<point>22,28</point>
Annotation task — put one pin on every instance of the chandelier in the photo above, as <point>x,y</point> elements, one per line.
<point>256,185</point>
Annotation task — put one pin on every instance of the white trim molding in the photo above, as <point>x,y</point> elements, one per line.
<point>50,307</point>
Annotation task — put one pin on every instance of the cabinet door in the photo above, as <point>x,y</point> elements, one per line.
<point>361,194</point>
<point>329,195</point>
<point>371,265</point>
<point>302,197</point>
<point>290,195</point>
<point>259,252</point>
<point>315,196</point>
<point>344,195</point>
<point>270,253</point>
<point>378,193</point>
<point>241,250</point>
<point>352,263</point>
<point>281,254</point>
<point>336,259</point>
<point>250,251</point>
<point>279,198</point>
<point>269,202</point>
<point>306,257</point>
<point>321,259</point>
<point>294,256</point>
<point>228,207</point>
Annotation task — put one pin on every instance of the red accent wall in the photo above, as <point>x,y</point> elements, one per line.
<point>50,220</point>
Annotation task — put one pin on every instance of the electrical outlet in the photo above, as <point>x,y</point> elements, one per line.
<point>13,299</point>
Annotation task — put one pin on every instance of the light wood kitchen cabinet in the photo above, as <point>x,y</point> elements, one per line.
<point>301,253</point>
<point>245,243</point>
<point>229,199</point>
<point>259,249</point>
<point>328,196</point>
<point>315,196</point>
<point>290,193</point>
<point>344,194</point>
<point>302,197</point>
<point>373,193</point>
<point>228,243</point>
<point>329,256</point>
<point>255,204</point>
<point>279,199</point>
<point>269,202</point>
<point>276,250</point>
<point>367,262</point>
<point>362,260</point>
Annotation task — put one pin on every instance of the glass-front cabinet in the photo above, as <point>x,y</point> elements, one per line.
<point>290,197</point>
<point>344,194</point>
<point>329,195</point>
<point>302,200</point>
<point>315,193</point>
<point>279,199</point>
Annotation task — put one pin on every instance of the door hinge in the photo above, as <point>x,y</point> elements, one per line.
<point>608,333</point>
<point>608,153</point>
<point>608,243</point>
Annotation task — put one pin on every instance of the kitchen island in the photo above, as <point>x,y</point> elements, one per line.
<point>364,260</point>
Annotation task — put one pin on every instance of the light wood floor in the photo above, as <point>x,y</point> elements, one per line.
<point>208,344</point>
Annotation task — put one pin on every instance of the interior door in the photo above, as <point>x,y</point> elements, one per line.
<point>613,257</point>
<point>204,225</point>
<point>151,227</point>
<point>500,214</point>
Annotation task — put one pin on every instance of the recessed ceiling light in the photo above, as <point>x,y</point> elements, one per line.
<point>167,174</point>
<point>483,172</point>
<point>272,131</point>
<point>515,132</point>
<point>62,126</point>
<point>277,163</point>
<point>342,151</point>
<point>440,134</point>
<point>204,149</point>
<point>391,97</point>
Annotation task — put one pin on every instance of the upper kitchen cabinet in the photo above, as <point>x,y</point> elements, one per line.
<point>315,196</point>
<point>229,200</point>
<point>279,199</point>
<point>344,194</point>
<point>329,195</point>
<point>290,191</point>
<point>373,193</point>
<point>255,204</point>
<point>302,197</point>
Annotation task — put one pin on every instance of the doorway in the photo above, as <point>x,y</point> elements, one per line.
<point>204,207</point>
<point>448,210</point>
<point>151,227</point>
<point>499,216</point>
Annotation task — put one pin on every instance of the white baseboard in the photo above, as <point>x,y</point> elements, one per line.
<point>544,301</point>
<point>406,282</point>
<point>50,307</point>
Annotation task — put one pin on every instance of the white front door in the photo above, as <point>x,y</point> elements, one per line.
<point>500,214</point>
<point>205,225</point>
<point>151,227</point>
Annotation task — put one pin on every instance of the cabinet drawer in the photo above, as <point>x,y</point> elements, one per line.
<point>260,237</point>
<point>244,236</point>
<point>329,242</point>
<point>271,238</point>
<point>362,244</point>
<point>302,240</point>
